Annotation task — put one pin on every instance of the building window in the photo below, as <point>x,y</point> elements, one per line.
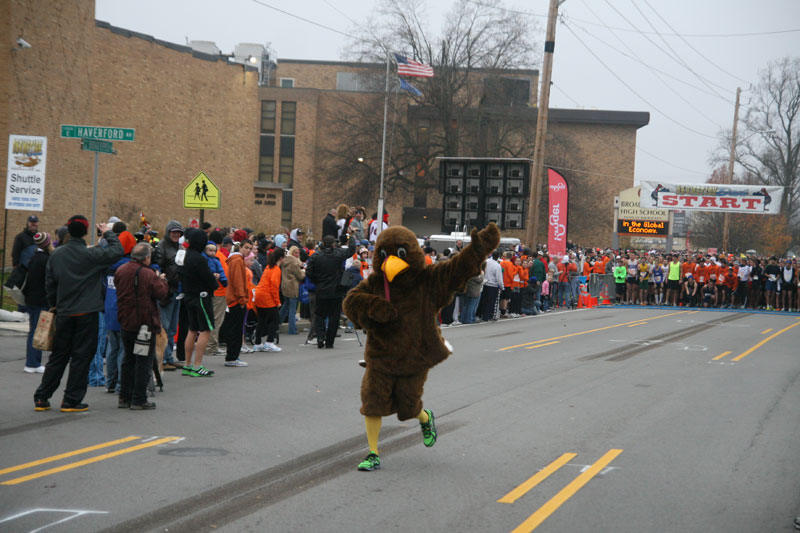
<point>266,158</point>
<point>286,208</point>
<point>268,116</point>
<point>286,172</point>
<point>287,83</point>
<point>288,115</point>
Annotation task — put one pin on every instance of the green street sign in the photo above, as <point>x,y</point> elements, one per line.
<point>97,132</point>
<point>107,147</point>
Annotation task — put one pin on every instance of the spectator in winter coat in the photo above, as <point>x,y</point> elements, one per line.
<point>472,295</point>
<point>36,298</point>
<point>492,285</point>
<point>325,270</point>
<point>292,274</point>
<point>217,263</point>
<point>164,256</point>
<point>139,290</point>
<point>295,239</point>
<point>74,283</point>
<point>115,351</point>
<point>24,241</point>
<point>198,285</point>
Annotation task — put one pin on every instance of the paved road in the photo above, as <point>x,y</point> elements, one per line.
<point>596,420</point>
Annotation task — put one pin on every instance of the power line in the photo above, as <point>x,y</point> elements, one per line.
<point>631,89</point>
<point>674,57</point>
<point>670,164</point>
<point>650,67</point>
<point>668,86</point>
<point>307,20</point>
<point>734,76</point>
<point>567,95</point>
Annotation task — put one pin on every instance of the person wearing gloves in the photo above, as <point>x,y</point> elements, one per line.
<point>74,281</point>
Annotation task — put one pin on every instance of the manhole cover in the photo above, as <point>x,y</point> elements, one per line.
<point>192,452</point>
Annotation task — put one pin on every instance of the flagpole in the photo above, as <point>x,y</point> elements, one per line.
<point>379,221</point>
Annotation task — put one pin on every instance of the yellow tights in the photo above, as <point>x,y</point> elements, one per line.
<point>374,429</point>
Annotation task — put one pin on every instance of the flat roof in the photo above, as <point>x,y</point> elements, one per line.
<point>574,116</point>
<point>359,64</point>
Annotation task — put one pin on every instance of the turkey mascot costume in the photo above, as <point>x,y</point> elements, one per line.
<point>397,306</point>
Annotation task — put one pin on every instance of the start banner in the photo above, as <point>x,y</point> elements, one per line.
<point>753,199</point>
<point>557,219</point>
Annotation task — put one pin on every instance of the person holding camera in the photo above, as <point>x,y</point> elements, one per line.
<point>139,289</point>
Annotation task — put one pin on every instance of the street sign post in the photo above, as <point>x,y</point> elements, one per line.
<point>96,139</point>
<point>106,147</point>
<point>105,133</point>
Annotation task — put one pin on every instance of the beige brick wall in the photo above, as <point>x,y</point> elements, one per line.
<point>48,85</point>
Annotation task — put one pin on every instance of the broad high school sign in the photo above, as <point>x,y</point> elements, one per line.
<point>709,197</point>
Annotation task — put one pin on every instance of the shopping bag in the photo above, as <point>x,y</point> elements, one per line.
<point>45,331</point>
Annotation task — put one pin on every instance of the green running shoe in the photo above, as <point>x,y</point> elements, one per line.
<point>187,371</point>
<point>429,430</point>
<point>371,462</point>
<point>201,372</point>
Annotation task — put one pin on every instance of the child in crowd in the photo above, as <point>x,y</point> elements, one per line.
<point>546,292</point>
<point>214,265</point>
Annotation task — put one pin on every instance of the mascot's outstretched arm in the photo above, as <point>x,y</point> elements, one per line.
<point>451,276</point>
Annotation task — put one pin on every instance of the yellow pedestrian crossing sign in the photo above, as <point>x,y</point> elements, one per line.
<point>201,193</point>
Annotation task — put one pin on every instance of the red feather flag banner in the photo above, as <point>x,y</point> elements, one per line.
<point>409,67</point>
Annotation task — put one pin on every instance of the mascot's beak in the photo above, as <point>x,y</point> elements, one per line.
<point>393,266</point>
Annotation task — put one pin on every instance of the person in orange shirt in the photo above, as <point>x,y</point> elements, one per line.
<point>688,267</point>
<point>701,273</point>
<point>518,280</point>
<point>508,283</point>
<point>599,266</point>
<point>236,299</point>
<point>268,303</point>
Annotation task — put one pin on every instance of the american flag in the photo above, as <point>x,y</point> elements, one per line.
<point>409,67</point>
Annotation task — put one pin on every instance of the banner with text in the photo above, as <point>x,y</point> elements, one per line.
<point>753,199</point>
<point>27,157</point>
<point>629,208</point>
<point>557,219</point>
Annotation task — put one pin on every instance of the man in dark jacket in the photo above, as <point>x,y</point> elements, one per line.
<point>164,257</point>
<point>198,285</point>
<point>329,225</point>
<point>74,280</point>
<point>24,241</point>
<point>139,289</point>
<point>325,269</point>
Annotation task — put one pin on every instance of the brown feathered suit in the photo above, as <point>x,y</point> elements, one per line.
<point>403,339</point>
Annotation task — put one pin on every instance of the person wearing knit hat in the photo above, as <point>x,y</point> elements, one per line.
<point>36,297</point>
<point>239,235</point>
<point>128,241</point>
<point>42,240</point>
<point>74,283</point>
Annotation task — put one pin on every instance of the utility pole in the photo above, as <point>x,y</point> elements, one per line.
<point>541,124</point>
<point>727,218</point>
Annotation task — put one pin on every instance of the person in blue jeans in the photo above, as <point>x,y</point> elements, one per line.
<point>472,295</point>
<point>165,256</point>
<point>36,298</point>
<point>292,274</point>
<point>115,351</point>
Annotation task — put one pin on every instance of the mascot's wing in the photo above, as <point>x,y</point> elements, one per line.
<point>452,275</point>
<point>366,304</point>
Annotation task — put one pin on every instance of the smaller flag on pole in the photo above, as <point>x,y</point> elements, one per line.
<point>409,67</point>
<point>410,88</point>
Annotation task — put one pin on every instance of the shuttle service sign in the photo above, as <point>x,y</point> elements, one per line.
<point>27,157</point>
<point>752,199</point>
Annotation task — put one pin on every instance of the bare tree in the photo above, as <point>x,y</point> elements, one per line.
<point>451,116</point>
<point>770,147</point>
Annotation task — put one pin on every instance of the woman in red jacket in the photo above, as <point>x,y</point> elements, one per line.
<point>268,303</point>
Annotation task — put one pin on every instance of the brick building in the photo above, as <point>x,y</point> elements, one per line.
<point>262,136</point>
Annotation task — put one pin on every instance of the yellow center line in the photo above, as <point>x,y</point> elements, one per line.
<point>638,324</point>
<point>766,331</point>
<point>67,454</point>
<point>540,345</point>
<point>762,343</point>
<point>587,331</point>
<point>720,356</point>
<point>88,461</point>
<point>566,493</point>
<point>693,312</point>
<point>537,478</point>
